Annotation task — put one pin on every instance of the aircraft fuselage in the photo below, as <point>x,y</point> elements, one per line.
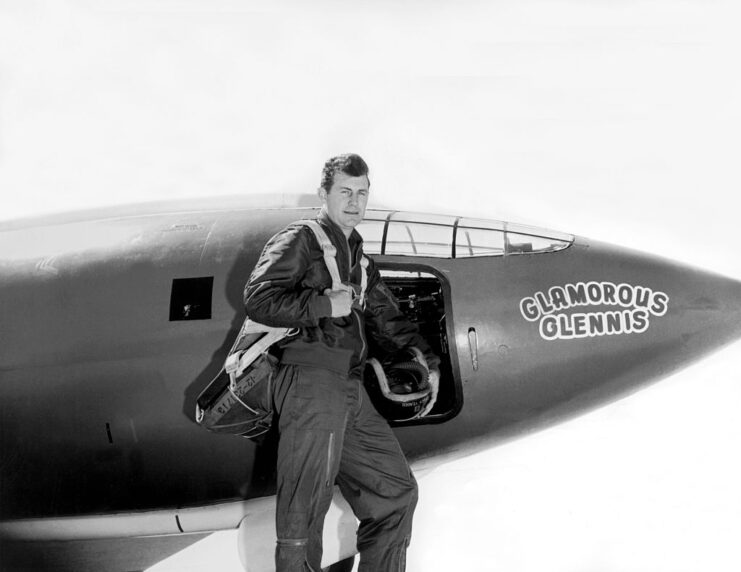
<point>112,326</point>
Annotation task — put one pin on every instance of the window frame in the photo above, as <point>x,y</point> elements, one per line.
<point>454,223</point>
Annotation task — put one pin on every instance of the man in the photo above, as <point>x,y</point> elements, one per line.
<point>329,430</point>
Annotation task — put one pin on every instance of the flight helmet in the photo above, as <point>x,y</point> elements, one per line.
<point>398,384</point>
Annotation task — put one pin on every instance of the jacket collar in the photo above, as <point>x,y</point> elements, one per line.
<point>336,232</point>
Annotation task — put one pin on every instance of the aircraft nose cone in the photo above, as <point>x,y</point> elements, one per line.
<point>703,309</point>
<point>706,308</point>
<point>595,323</point>
<point>679,313</point>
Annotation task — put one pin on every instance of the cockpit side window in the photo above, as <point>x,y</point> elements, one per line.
<point>372,233</point>
<point>419,239</point>
<point>519,243</point>
<point>478,242</point>
<point>495,238</point>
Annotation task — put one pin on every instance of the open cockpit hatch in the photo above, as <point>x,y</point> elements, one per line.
<point>424,298</point>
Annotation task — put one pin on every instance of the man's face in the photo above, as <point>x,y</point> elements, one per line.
<point>346,200</point>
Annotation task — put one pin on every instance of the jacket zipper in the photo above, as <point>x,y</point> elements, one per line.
<point>349,260</point>
<point>330,456</point>
<point>361,331</point>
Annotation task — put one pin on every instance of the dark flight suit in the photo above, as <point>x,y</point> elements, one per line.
<point>329,430</point>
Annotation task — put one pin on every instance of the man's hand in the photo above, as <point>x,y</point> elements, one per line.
<point>341,302</point>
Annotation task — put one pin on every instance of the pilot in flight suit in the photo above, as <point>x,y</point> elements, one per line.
<point>329,429</point>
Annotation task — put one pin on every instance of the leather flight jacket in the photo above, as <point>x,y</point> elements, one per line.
<point>286,289</point>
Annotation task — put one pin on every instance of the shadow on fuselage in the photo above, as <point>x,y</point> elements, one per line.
<point>261,459</point>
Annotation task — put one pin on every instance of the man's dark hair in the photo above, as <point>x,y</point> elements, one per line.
<point>349,163</point>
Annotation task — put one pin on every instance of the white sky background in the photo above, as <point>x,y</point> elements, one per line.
<point>619,121</point>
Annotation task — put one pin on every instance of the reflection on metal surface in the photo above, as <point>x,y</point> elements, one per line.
<point>473,346</point>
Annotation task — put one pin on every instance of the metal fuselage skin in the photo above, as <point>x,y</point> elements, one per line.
<point>98,384</point>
